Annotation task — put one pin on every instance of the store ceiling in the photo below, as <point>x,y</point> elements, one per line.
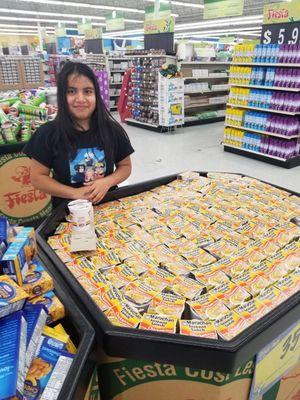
<point>11,12</point>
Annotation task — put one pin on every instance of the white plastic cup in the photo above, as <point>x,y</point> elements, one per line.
<point>82,215</point>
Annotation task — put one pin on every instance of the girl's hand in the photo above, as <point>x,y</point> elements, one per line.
<point>82,192</point>
<point>98,189</point>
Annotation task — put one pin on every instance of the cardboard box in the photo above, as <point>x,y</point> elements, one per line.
<point>12,355</point>
<point>12,297</point>
<point>124,379</point>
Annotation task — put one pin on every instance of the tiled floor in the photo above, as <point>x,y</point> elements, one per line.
<point>197,148</point>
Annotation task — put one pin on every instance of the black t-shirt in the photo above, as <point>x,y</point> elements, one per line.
<point>87,164</point>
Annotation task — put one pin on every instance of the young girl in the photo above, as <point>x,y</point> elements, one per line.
<point>83,135</point>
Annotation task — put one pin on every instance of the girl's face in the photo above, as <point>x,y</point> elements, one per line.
<point>81,98</point>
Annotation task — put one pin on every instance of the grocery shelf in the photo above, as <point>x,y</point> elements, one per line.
<point>205,77</point>
<point>263,132</point>
<point>117,70</point>
<point>280,162</point>
<point>152,56</point>
<point>146,125</point>
<point>115,83</point>
<point>206,62</point>
<point>284,89</point>
<point>203,121</point>
<point>203,105</point>
<point>268,64</point>
<point>207,91</point>
<point>119,58</point>
<point>264,109</point>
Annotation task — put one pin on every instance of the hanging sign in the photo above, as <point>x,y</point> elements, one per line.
<point>60,31</point>
<point>94,33</point>
<point>83,27</point>
<point>222,8</point>
<point>282,12</point>
<point>158,20</point>
<point>273,361</point>
<point>283,33</point>
<point>115,21</point>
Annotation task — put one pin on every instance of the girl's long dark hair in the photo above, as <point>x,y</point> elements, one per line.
<point>103,126</point>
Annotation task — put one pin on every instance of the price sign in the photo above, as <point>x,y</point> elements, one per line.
<point>288,33</point>
<point>275,359</point>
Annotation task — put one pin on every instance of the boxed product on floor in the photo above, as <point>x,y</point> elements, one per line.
<point>182,259</point>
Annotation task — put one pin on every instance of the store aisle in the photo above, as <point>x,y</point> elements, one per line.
<point>197,148</point>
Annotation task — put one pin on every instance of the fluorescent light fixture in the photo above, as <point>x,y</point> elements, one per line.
<point>221,22</point>
<point>237,30</point>
<point>180,3</point>
<point>87,5</point>
<point>17,11</point>
<point>24,26</point>
<point>18,34</point>
<point>55,21</point>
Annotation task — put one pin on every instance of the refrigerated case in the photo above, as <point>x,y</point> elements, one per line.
<point>223,361</point>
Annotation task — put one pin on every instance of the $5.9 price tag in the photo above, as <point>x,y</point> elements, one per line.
<point>275,359</point>
<point>288,33</point>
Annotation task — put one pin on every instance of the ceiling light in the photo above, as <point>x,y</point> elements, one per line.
<point>182,35</point>
<point>87,5</point>
<point>38,20</point>
<point>222,22</point>
<point>23,26</point>
<point>180,3</point>
<point>15,11</point>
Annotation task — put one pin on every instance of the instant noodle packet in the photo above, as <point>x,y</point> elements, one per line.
<point>160,323</point>
<point>197,328</point>
<point>230,325</point>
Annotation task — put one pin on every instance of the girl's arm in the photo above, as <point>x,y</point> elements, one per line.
<point>101,186</point>
<point>41,179</point>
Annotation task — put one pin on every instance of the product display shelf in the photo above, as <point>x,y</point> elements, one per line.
<point>81,332</point>
<point>143,95</point>
<point>195,352</point>
<point>263,132</point>
<point>284,89</point>
<point>199,84</point>
<point>264,109</point>
<point>265,64</point>
<point>11,148</point>
<point>270,72</point>
<point>280,162</point>
<point>203,121</point>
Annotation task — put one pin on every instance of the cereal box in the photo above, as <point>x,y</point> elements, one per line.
<point>197,328</point>
<point>160,323</point>
<point>56,309</point>
<point>12,355</point>
<point>12,297</point>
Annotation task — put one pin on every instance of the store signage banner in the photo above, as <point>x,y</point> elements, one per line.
<point>282,12</point>
<point>273,361</point>
<point>162,25</point>
<point>222,8</point>
<point>115,21</point>
<point>19,200</point>
<point>82,28</point>
<point>60,31</point>
<point>94,33</point>
<point>163,12</point>
<point>283,33</point>
<point>158,20</point>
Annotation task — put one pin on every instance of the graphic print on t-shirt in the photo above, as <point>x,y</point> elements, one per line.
<point>88,165</point>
